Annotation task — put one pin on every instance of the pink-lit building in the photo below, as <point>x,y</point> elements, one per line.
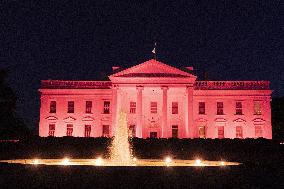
<point>160,101</point>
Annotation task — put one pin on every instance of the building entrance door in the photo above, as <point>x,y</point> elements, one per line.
<point>153,134</point>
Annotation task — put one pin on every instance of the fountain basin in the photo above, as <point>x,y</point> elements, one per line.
<point>107,162</point>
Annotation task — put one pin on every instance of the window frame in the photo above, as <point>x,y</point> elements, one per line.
<point>220,108</point>
<point>239,109</point>
<point>174,107</point>
<point>201,110</point>
<point>51,129</point>
<point>89,106</point>
<point>105,134</point>
<point>259,111</point>
<point>69,129</point>
<point>52,107</point>
<point>221,128</point>
<point>132,107</point>
<point>258,134</point>
<point>70,107</point>
<point>153,107</point>
<point>239,132</point>
<point>132,130</point>
<point>106,107</point>
<point>87,131</point>
<point>175,128</point>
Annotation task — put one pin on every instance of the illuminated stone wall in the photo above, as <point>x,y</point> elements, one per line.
<point>154,81</point>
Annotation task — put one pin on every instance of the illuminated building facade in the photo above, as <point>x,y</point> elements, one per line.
<point>160,101</point>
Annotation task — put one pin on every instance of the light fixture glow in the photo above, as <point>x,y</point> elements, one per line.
<point>99,161</point>
<point>65,161</point>
<point>222,163</point>
<point>168,160</point>
<point>35,161</point>
<point>198,162</point>
<point>134,159</point>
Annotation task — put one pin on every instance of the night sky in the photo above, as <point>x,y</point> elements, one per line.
<point>82,40</point>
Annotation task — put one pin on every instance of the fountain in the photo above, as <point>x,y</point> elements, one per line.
<point>120,151</point>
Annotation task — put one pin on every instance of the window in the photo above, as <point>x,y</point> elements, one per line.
<point>174,107</point>
<point>106,107</point>
<point>88,130</point>
<point>239,132</point>
<point>239,108</point>
<point>105,131</point>
<point>132,131</point>
<point>88,107</point>
<point>220,107</point>
<point>69,131</point>
<point>201,107</point>
<point>257,107</point>
<point>174,131</point>
<point>51,130</point>
<point>52,108</point>
<point>258,131</point>
<point>70,107</point>
<point>221,132</point>
<point>132,107</point>
<point>201,131</point>
<point>154,107</point>
<point>153,134</point>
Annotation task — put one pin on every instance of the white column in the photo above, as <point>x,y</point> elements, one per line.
<point>165,112</point>
<point>189,91</point>
<point>139,112</point>
<point>114,109</point>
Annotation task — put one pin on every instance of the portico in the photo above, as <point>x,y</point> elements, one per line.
<point>154,82</point>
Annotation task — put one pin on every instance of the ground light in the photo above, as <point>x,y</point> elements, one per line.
<point>35,161</point>
<point>168,160</point>
<point>99,161</point>
<point>65,161</point>
<point>197,162</point>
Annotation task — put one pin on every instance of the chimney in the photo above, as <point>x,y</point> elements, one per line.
<point>115,68</point>
<point>189,68</point>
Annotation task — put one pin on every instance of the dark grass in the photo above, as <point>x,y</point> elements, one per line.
<point>244,176</point>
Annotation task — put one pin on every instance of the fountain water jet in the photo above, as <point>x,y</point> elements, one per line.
<point>120,151</point>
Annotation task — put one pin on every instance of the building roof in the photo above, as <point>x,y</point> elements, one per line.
<point>152,68</point>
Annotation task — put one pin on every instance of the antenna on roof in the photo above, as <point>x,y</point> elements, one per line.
<point>154,51</point>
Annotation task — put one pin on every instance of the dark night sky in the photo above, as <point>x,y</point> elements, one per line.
<point>82,40</point>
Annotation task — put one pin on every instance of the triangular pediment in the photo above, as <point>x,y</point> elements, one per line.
<point>152,68</point>
<point>201,120</point>
<point>88,118</point>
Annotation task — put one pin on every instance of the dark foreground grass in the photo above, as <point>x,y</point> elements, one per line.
<point>263,164</point>
<point>243,176</point>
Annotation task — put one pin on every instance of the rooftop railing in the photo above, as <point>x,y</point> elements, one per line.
<point>198,85</point>
<point>59,84</point>
<point>231,85</point>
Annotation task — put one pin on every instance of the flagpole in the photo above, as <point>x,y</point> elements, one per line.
<point>154,51</point>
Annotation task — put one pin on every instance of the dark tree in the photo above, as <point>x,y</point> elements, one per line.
<point>11,127</point>
<point>277,108</point>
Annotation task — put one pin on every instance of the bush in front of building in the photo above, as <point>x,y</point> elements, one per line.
<point>241,150</point>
